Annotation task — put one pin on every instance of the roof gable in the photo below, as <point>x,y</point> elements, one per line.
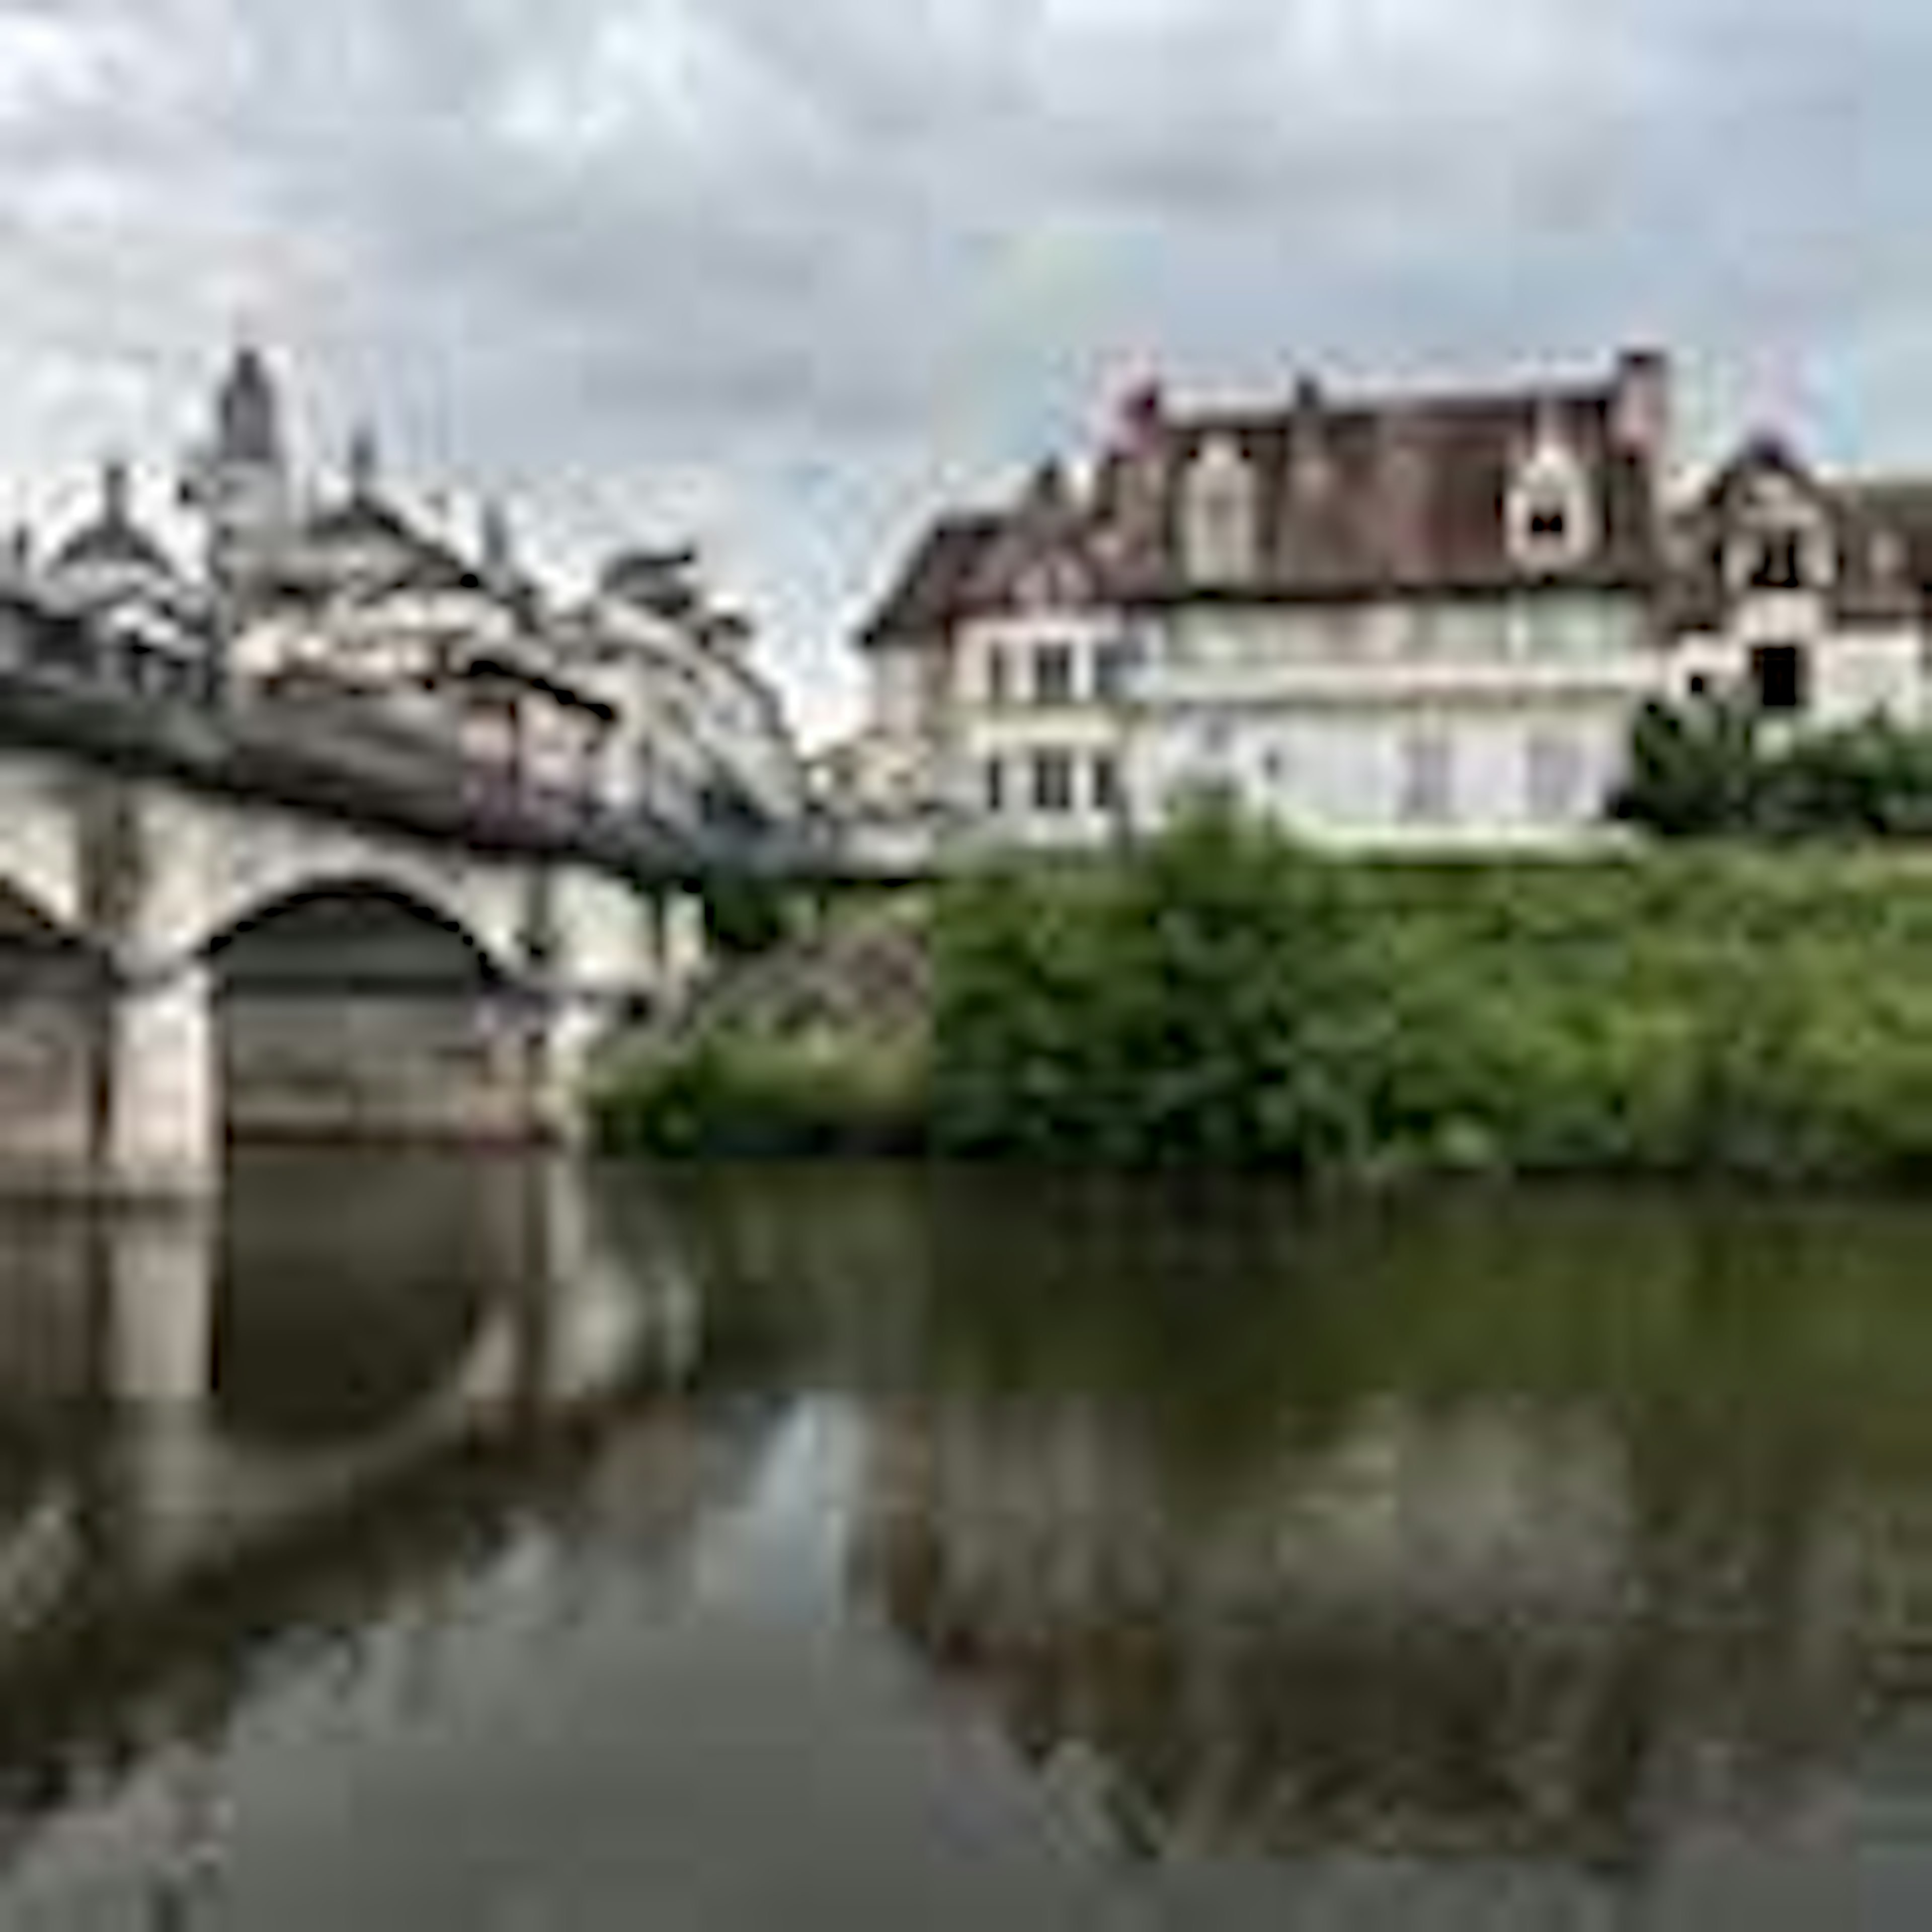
<point>930,593</point>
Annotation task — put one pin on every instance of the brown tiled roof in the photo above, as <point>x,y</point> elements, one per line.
<point>930,592</point>
<point>1385,495</point>
<point>1406,495</point>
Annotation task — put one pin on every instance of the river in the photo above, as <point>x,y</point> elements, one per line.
<point>482,1543</point>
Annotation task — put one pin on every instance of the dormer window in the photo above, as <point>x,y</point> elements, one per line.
<point>1549,509</point>
<point>1051,583</point>
<point>1781,535</point>
<point>1779,562</point>
<point>1220,515</point>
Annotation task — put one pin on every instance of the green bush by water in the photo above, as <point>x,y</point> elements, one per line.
<point>1220,997</point>
<point>762,1096</point>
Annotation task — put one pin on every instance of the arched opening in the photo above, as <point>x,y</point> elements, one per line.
<point>354,1011</point>
<point>53,1000</point>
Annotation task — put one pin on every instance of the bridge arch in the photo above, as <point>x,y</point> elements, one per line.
<point>53,987</point>
<point>31,931</point>
<point>224,873</point>
<point>356,935</point>
<point>353,1009</point>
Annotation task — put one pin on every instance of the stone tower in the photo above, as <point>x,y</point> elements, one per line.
<point>240,480</point>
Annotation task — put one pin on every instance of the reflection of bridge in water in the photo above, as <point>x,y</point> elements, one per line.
<point>221,1442</point>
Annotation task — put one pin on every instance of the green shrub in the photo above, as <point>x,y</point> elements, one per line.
<point>1705,769</point>
<point>745,917</point>
<point>1193,1002</point>
<point>1218,997</point>
<point>762,1097</point>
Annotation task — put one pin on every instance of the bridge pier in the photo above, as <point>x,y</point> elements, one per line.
<point>678,941</point>
<point>567,1031</point>
<point>162,1110</point>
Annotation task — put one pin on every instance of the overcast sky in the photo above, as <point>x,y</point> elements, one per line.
<point>785,274</point>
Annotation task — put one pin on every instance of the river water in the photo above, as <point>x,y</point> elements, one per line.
<point>487,1544</point>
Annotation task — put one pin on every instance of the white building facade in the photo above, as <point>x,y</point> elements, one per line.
<point>703,736</point>
<point>1406,622</point>
<point>1804,597</point>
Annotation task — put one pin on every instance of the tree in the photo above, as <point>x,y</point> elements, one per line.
<point>1693,770</point>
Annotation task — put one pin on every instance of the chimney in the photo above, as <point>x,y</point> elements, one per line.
<point>1640,422</point>
<point>1131,484</point>
<point>1138,418</point>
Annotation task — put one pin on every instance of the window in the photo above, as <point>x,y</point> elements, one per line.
<point>1053,675</point>
<point>1779,563</point>
<point>1428,788</point>
<point>999,687</point>
<point>1780,676</point>
<point>993,780</point>
<point>1550,513</point>
<point>1106,780</point>
<point>1052,782</point>
<point>1554,777</point>
<point>1110,667</point>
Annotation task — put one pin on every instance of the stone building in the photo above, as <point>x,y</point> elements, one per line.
<point>634,699</point>
<point>705,736</point>
<point>112,572</point>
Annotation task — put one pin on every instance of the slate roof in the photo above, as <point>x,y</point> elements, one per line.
<point>661,580</point>
<point>503,670</point>
<point>113,537</point>
<point>1404,495</point>
<point>930,592</point>
<point>112,540</point>
<point>1881,532</point>
<point>1359,497</point>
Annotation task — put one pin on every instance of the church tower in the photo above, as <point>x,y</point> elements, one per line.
<point>240,480</point>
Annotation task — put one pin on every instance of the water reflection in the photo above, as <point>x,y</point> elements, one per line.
<point>1578,1537</point>
<point>1551,1530</point>
<point>227,1449</point>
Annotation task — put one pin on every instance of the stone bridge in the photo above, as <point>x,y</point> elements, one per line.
<point>223,916</point>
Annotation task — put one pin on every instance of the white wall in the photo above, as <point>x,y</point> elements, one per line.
<point>1339,774</point>
<point>1314,716</point>
<point>898,695</point>
<point>1856,673</point>
<point>1013,724</point>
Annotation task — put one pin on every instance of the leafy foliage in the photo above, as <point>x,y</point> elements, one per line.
<point>1218,997</point>
<point>1708,768</point>
<point>763,1097</point>
<point>1194,1002</point>
<point>743,918</point>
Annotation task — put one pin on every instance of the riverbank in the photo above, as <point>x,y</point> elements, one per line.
<point>1220,998</point>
